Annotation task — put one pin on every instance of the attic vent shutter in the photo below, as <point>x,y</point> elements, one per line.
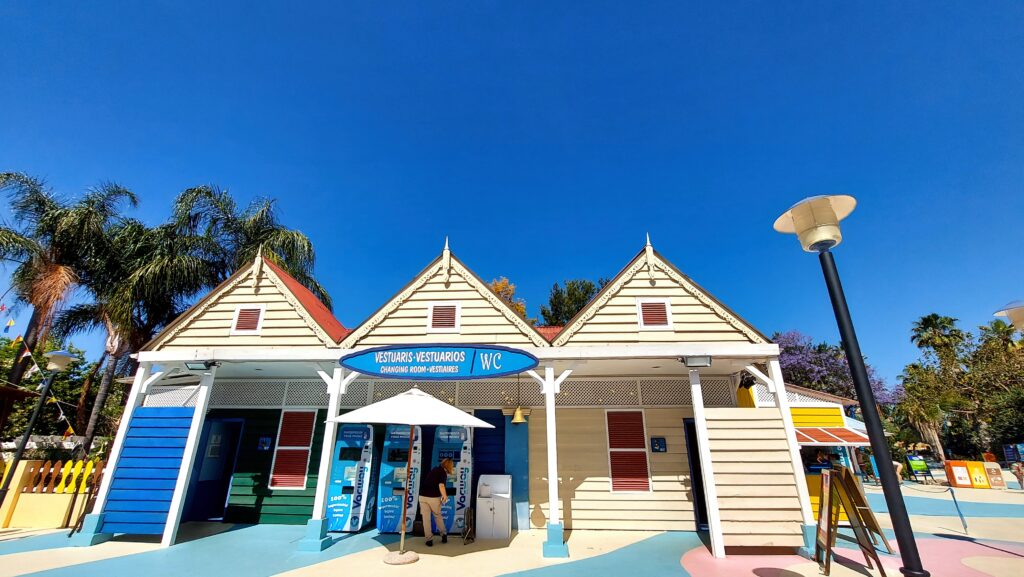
<point>654,314</point>
<point>248,319</point>
<point>291,458</point>
<point>627,451</point>
<point>443,317</point>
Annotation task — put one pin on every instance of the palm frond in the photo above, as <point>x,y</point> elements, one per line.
<point>80,318</point>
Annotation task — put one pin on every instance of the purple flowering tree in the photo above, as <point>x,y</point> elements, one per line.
<point>823,367</point>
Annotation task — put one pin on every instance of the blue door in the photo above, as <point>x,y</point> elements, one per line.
<point>488,445</point>
<point>215,464</point>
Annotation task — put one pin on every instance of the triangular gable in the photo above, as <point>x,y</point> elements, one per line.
<point>612,318</point>
<point>292,316</point>
<point>485,318</point>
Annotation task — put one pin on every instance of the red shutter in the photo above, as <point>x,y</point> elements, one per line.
<point>291,458</point>
<point>629,471</point>
<point>290,467</point>
<point>443,317</point>
<point>626,430</point>
<point>627,447</point>
<point>654,314</point>
<point>296,429</point>
<point>248,319</point>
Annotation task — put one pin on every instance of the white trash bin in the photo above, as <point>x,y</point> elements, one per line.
<point>494,507</point>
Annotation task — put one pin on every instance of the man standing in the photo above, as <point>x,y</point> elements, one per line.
<point>432,496</point>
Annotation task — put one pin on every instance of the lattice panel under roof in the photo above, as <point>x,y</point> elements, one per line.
<point>355,394</point>
<point>765,398</point>
<point>251,393</point>
<point>598,392</point>
<point>665,392</point>
<point>306,393</point>
<point>444,390</point>
<point>718,392</point>
<point>500,393</point>
<point>172,396</point>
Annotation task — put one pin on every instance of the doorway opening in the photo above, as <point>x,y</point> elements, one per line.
<point>210,484</point>
<point>700,506</point>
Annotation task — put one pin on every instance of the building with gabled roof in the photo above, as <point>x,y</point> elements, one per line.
<point>634,414</point>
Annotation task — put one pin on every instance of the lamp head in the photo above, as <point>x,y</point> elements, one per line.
<point>815,221</point>
<point>58,360</point>
<point>1015,312</point>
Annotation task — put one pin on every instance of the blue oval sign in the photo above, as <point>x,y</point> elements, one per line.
<point>439,362</point>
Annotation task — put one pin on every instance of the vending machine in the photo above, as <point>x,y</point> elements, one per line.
<point>455,443</point>
<point>393,478</point>
<point>351,496</point>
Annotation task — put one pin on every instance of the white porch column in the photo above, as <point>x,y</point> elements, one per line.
<point>706,467</point>
<point>188,458</point>
<point>782,402</point>
<point>316,538</point>
<point>555,544</point>
<point>90,534</point>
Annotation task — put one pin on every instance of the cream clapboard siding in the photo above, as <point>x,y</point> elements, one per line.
<point>757,496</point>
<point>692,321</point>
<point>585,488</point>
<point>481,322</point>
<point>211,326</point>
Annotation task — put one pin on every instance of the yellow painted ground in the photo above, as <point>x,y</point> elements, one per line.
<point>32,561</point>
<point>480,559</point>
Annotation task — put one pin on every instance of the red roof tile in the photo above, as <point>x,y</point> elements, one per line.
<point>549,333</point>
<point>831,436</point>
<point>316,309</point>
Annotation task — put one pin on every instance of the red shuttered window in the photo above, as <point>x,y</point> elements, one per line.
<point>627,451</point>
<point>291,457</point>
<point>654,314</point>
<point>248,320</point>
<point>444,317</point>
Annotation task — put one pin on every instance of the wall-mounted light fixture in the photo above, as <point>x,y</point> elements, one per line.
<point>697,361</point>
<point>200,365</point>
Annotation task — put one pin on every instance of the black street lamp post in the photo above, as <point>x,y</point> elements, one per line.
<point>57,361</point>
<point>815,221</point>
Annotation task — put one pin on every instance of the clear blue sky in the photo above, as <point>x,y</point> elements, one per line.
<point>546,140</point>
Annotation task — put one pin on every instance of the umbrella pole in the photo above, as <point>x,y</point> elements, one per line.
<point>405,498</point>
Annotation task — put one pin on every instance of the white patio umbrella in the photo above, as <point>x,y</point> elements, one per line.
<point>413,407</point>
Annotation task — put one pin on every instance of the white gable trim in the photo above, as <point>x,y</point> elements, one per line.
<point>649,261</point>
<point>443,266</point>
<point>183,322</point>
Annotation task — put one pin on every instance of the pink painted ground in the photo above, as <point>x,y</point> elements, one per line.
<point>942,557</point>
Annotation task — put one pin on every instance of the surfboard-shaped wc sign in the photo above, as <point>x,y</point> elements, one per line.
<point>439,362</point>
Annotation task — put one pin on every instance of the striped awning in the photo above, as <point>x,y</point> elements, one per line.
<point>831,436</point>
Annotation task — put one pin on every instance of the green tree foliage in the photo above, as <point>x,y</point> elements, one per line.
<point>66,388</point>
<point>965,394</point>
<point>565,302</point>
<point>135,278</point>
<point>51,244</point>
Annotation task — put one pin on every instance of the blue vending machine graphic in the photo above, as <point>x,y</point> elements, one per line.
<point>393,476</point>
<point>455,443</point>
<point>351,496</point>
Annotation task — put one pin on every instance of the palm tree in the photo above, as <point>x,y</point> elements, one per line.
<point>51,245</point>
<point>921,404</point>
<point>938,333</point>
<point>998,333</point>
<point>240,235</point>
<point>154,274</point>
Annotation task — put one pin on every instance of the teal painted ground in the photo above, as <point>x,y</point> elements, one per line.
<point>944,506</point>
<point>35,543</point>
<point>254,550</point>
<point>657,555</point>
